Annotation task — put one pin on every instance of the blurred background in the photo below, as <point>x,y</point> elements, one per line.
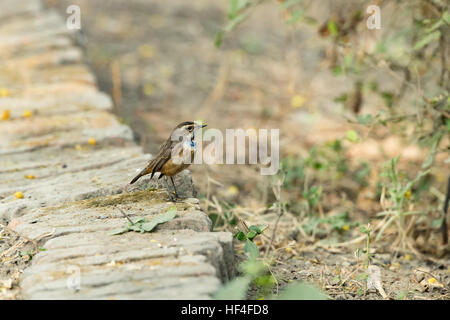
<point>364,115</point>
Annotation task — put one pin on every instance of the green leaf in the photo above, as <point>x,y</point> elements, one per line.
<point>162,218</point>
<point>138,220</point>
<point>219,39</point>
<point>235,21</point>
<point>364,119</point>
<point>341,99</point>
<point>140,225</point>
<point>301,291</point>
<point>332,28</point>
<point>363,229</point>
<point>446,17</point>
<point>236,289</point>
<point>337,71</point>
<point>258,229</point>
<point>427,39</point>
<point>240,236</point>
<point>428,161</point>
<point>253,268</point>
<point>388,98</point>
<point>235,7</point>
<point>119,231</point>
<point>352,136</point>
<point>251,235</point>
<point>402,295</point>
<point>251,250</point>
<point>436,223</point>
<point>435,26</point>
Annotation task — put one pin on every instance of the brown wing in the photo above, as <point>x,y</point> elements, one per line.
<point>160,160</point>
<point>157,162</point>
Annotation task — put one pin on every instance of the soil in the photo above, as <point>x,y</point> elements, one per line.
<point>340,274</point>
<point>15,255</point>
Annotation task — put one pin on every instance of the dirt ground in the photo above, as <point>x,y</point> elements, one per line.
<point>159,63</point>
<point>339,273</point>
<point>15,254</point>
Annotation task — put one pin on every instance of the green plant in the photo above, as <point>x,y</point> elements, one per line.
<point>312,196</point>
<point>247,236</point>
<point>367,257</point>
<point>367,230</point>
<point>222,214</point>
<point>397,190</point>
<point>141,225</point>
<point>256,273</point>
<point>328,159</point>
<point>362,173</point>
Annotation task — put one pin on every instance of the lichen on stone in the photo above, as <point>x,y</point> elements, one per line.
<point>150,195</point>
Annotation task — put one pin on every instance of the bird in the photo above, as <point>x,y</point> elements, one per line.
<point>173,155</point>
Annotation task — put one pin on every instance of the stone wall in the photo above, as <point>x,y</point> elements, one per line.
<point>65,165</point>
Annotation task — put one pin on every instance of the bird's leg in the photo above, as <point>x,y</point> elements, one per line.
<point>168,190</point>
<point>175,189</point>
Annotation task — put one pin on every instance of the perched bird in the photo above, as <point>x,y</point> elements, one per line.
<point>174,155</point>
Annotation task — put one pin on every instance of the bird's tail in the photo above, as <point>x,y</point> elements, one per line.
<point>142,173</point>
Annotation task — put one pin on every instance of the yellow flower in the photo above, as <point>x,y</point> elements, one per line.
<point>92,141</point>
<point>27,113</point>
<point>4,92</point>
<point>233,190</point>
<point>345,227</point>
<point>29,176</point>
<point>408,194</point>
<point>432,281</point>
<point>407,257</point>
<point>18,195</point>
<point>5,115</point>
<point>148,89</point>
<point>146,51</point>
<point>297,101</point>
<point>288,250</point>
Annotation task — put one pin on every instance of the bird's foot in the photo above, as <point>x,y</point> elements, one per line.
<point>174,197</point>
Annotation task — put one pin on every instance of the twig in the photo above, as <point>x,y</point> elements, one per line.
<point>34,242</point>
<point>444,218</point>
<point>280,213</point>
<point>124,214</point>
<point>24,240</point>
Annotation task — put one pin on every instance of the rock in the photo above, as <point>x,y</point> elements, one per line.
<point>419,275</point>
<point>192,200</point>
<point>73,160</point>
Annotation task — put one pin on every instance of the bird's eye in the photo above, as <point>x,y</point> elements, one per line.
<point>190,128</point>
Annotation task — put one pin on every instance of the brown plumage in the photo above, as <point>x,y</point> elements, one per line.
<point>163,161</point>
